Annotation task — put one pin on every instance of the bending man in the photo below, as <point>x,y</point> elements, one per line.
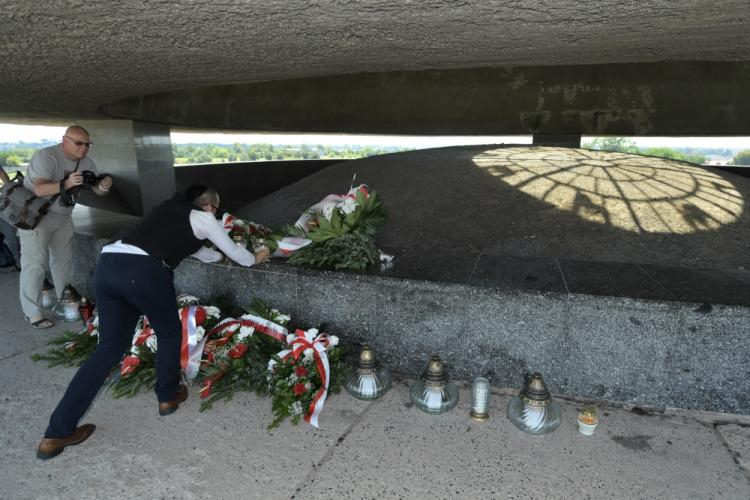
<point>134,276</point>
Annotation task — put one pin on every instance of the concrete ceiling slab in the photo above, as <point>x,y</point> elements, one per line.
<point>64,59</point>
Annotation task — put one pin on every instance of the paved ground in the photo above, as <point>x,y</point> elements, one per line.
<point>382,449</point>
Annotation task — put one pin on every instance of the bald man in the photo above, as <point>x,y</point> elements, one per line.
<point>52,172</point>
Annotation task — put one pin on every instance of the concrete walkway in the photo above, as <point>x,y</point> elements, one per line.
<point>382,449</point>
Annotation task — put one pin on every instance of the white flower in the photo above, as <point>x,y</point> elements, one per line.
<point>282,318</point>
<point>200,332</point>
<point>308,385</point>
<point>245,331</point>
<point>213,311</point>
<point>293,378</point>
<point>308,354</point>
<point>328,211</point>
<point>271,364</point>
<point>151,343</point>
<point>134,350</point>
<point>296,408</point>
<point>333,341</point>
<point>347,206</point>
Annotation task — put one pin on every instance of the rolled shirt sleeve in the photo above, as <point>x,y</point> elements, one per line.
<point>205,226</point>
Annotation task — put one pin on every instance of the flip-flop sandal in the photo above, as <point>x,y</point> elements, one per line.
<point>40,323</point>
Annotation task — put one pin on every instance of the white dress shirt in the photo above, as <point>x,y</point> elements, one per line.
<point>205,227</point>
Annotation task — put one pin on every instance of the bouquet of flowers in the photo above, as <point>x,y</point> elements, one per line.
<point>237,352</point>
<point>138,368</point>
<point>72,348</point>
<point>340,230</point>
<point>301,376</point>
<point>248,234</point>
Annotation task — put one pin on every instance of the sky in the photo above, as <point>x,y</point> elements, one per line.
<point>36,133</point>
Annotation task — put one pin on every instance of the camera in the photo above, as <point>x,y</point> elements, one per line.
<point>90,179</point>
<point>69,197</point>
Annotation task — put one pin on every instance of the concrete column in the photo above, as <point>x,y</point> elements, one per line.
<point>138,155</point>
<point>561,140</point>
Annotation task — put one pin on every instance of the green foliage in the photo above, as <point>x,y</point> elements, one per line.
<point>675,155</point>
<point>346,240</point>
<point>284,400</point>
<point>143,378</point>
<point>217,153</point>
<point>742,157</point>
<point>73,348</point>
<point>618,144</point>
<point>352,251</point>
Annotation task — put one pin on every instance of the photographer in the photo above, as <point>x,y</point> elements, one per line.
<point>55,172</point>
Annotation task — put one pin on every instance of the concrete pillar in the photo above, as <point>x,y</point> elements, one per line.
<point>139,157</point>
<point>560,140</point>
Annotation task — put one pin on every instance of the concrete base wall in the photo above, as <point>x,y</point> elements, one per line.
<point>610,348</point>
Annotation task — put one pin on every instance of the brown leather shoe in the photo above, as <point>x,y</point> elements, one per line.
<point>51,447</point>
<point>171,406</point>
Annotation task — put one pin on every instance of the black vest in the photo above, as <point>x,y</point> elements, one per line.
<point>165,231</point>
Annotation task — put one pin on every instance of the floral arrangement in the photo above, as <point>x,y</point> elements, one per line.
<point>138,368</point>
<point>249,234</point>
<point>341,229</point>
<point>237,352</point>
<point>301,376</point>
<point>72,348</point>
<point>253,353</point>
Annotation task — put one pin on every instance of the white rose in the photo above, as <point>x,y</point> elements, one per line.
<point>245,331</point>
<point>308,354</point>
<point>213,311</point>
<point>271,364</point>
<point>333,340</point>
<point>200,332</point>
<point>151,343</point>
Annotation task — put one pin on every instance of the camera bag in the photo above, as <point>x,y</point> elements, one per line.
<point>20,207</point>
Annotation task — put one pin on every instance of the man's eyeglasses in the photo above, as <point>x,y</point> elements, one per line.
<point>80,143</point>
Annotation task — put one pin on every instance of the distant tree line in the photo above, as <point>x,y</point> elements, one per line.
<point>217,153</point>
<point>16,155</point>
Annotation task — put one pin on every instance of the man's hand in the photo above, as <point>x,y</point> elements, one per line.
<point>104,186</point>
<point>262,255</point>
<point>73,180</point>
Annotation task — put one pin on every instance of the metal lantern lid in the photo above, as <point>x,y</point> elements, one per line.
<point>434,373</point>
<point>367,360</point>
<point>70,294</point>
<point>535,391</point>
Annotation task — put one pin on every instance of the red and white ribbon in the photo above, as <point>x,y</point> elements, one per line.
<point>228,221</point>
<point>230,325</point>
<point>304,340</point>
<point>192,347</point>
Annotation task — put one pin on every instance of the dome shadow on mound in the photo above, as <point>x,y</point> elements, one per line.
<point>449,206</point>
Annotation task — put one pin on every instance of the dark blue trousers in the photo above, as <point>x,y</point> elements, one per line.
<point>125,286</point>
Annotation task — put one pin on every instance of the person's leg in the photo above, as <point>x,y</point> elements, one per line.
<point>158,302</point>
<point>117,320</point>
<point>34,256</point>
<point>61,252</point>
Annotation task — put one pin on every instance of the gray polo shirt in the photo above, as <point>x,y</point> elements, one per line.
<point>52,164</point>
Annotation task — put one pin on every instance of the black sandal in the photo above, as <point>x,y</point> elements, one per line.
<point>40,323</point>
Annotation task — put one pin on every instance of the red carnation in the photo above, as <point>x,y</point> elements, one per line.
<point>300,371</point>
<point>129,365</point>
<point>298,389</point>
<point>200,315</point>
<point>238,351</point>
